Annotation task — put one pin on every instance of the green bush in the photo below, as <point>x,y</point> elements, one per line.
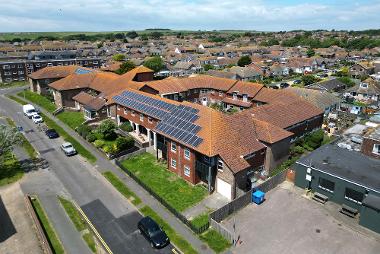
<point>107,129</point>
<point>126,126</point>
<point>123,143</point>
<point>84,130</point>
<point>99,143</point>
<point>110,149</point>
<point>91,137</point>
<point>314,140</point>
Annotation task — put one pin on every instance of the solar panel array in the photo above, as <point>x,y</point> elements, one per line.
<point>179,124</point>
<point>144,104</point>
<point>82,71</point>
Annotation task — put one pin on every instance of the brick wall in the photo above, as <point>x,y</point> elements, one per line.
<point>367,147</point>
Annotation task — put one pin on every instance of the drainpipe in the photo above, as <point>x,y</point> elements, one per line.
<point>209,179</point>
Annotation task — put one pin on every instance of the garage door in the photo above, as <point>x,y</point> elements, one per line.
<point>223,188</point>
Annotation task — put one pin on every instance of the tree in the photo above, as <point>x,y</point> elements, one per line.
<point>244,60</point>
<point>309,79</point>
<point>125,67</point>
<point>310,52</point>
<point>132,34</point>
<point>156,35</point>
<point>118,57</point>
<point>154,63</point>
<point>207,67</point>
<point>119,36</point>
<point>107,129</point>
<point>8,137</point>
<point>346,80</point>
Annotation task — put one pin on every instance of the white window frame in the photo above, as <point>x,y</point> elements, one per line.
<point>220,94</point>
<point>325,189</point>
<point>351,199</point>
<point>142,117</point>
<point>245,97</point>
<point>173,163</point>
<point>186,170</point>
<point>376,150</point>
<point>125,111</point>
<point>186,153</point>
<point>150,120</point>
<point>173,147</point>
<point>132,113</point>
<point>220,165</point>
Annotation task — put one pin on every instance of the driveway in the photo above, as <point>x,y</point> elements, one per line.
<point>84,184</point>
<point>289,223</point>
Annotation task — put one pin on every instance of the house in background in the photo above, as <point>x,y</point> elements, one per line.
<point>367,91</point>
<point>331,85</point>
<point>362,69</point>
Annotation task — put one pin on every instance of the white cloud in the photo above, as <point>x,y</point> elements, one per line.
<point>100,15</point>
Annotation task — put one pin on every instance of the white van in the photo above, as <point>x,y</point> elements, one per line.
<point>29,110</point>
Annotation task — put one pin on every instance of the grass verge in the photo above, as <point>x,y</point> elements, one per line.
<point>80,149</point>
<point>122,188</point>
<point>173,189</point>
<point>11,170</point>
<point>78,222</point>
<point>215,240</point>
<point>72,119</point>
<point>29,149</point>
<point>175,238</point>
<point>49,231</point>
<point>38,99</point>
<point>200,220</point>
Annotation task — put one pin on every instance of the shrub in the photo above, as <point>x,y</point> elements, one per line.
<point>123,143</point>
<point>99,143</point>
<point>314,140</point>
<point>84,130</point>
<point>110,149</point>
<point>107,129</point>
<point>126,126</point>
<point>91,137</point>
<point>297,150</point>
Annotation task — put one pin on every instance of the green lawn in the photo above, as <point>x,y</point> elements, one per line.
<point>79,222</point>
<point>48,228</point>
<point>175,238</point>
<point>29,149</point>
<point>121,187</point>
<point>215,240</point>
<point>200,220</point>
<point>174,190</point>
<point>73,213</point>
<point>11,170</point>
<point>72,119</point>
<point>38,99</point>
<point>80,149</point>
<point>13,84</point>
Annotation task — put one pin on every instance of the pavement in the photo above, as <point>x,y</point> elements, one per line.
<point>17,232</point>
<point>287,222</point>
<point>84,183</point>
<point>210,203</point>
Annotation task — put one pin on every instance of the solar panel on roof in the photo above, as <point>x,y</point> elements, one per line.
<point>82,71</point>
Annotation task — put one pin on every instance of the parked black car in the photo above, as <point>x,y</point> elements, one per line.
<point>297,81</point>
<point>51,133</point>
<point>284,85</point>
<point>153,233</point>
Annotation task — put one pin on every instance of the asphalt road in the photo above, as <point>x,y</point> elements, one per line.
<point>113,216</point>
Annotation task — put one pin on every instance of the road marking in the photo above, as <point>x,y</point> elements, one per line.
<point>93,228</point>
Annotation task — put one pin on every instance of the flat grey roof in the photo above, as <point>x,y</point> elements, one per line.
<point>350,165</point>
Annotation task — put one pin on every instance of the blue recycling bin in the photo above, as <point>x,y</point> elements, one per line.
<point>258,197</point>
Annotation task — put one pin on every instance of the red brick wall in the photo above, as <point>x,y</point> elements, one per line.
<point>179,156</point>
<point>367,147</point>
<point>136,118</point>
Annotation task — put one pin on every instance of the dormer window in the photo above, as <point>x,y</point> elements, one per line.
<point>245,97</point>
<point>363,85</point>
<point>234,96</point>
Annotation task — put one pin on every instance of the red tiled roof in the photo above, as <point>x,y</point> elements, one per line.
<point>55,72</point>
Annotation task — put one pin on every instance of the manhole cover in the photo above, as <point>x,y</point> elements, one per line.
<point>318,230</point>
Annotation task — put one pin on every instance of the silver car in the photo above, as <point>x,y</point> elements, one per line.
<point>68,149</point>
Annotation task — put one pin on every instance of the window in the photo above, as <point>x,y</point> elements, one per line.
<point>220,93</point>
<point>7,73</point>
<point>187,153</point>
<point>132,113</point>
<point>186,170</point>
<point>220,165</point>
<point>141,117</point>
<point>150,120</point>
<point>234,96</point>
<point>326,185</point>
<point>126,111</point>
<point>174,147</point>
<point>245,98</point>
<point>353,195</point>
<point>173,163</point>
<point>6,67</point>
<point>117,107</point>
<point>376,149</point>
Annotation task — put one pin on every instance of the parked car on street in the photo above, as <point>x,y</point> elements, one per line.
<point>284,85</point>
<point>51,133</point>
<point>153,232</point>
<point>68,149</point>
<point>297,81</point>
<point>29,110</point>
<point>37,118</point>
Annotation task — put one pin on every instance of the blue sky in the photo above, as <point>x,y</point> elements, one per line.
<point>117,15</point>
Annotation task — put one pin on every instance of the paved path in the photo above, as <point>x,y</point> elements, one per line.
<point>103,164</point>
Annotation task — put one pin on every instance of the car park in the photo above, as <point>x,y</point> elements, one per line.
<point>37,118</point>
<point>153,232</point>
<point>51,133</point>
<point>68,149</point>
